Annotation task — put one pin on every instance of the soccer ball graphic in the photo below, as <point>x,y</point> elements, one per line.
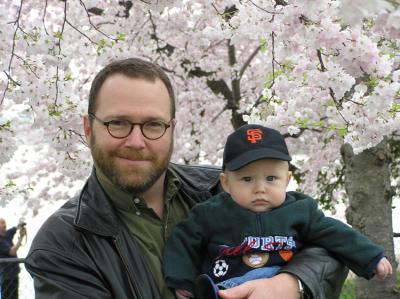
<point>220,268</point>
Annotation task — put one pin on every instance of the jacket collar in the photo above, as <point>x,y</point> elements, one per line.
<point>200,178</point>
<point>96,213</point>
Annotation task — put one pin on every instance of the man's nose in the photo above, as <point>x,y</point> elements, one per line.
<point>136,138</point>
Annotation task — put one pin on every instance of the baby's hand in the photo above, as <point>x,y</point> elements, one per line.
<point>183,294</point>
<point>383,269</point>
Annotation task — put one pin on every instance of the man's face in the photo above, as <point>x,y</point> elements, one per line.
<point>133,163</point>
<point>259,186</point>
<point>3,227</point>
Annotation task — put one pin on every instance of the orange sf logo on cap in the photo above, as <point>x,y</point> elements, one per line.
<point>254,135</point>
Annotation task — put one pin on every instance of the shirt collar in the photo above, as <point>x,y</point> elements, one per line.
<point>123,200</point>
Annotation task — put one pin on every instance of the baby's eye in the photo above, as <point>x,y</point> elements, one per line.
<point>270,178</point>
<point>246,178</point>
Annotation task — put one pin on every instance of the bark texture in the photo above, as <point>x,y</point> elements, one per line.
<point>367,183</point>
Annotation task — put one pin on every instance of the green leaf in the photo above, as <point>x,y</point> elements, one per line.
<point>10,184</point>
<point>302,122</point>
<point>269,78</point>
<point>342,132</point>
<point>394,109</point>
<point>101,44</point>
<point>68,77</point>
<point>6,125</point>
<point>58,35</point>
<point>319,124</point>
<point>263,45</point>
<point>287,65</point>
<point>121,36</point>
<point>372,82</point>
<point>52,109</point>
<point>305,78</point>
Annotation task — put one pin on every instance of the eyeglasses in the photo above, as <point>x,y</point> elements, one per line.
<point>121,128</point>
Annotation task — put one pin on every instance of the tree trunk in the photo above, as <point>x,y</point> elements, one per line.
<point>367,183</point>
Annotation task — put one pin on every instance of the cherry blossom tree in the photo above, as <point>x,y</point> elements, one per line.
<point>335,88</point>
<point>324,73</point>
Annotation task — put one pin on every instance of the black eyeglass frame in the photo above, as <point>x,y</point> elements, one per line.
<point>141,125</point>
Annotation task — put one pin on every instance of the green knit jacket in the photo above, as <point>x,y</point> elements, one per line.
<point>221,230</point>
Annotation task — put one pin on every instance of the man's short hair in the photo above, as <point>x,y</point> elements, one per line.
<point>133,68</point>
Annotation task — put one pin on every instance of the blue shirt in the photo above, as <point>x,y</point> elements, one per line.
<point>8,270</point>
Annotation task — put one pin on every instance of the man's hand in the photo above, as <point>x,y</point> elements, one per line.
<point>283,285</point>
<point>22,232</point>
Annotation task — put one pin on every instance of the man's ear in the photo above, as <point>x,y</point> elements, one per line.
<point>87,128</point>
<point>173,125</point>
<point>223,178</point>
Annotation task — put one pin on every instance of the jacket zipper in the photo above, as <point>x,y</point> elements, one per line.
<point>258,224</point>
<point>134,287</point>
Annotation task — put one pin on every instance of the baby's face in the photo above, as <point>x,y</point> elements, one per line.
<point>259,186</point>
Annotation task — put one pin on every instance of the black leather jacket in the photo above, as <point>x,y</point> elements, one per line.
<point>84,250</point>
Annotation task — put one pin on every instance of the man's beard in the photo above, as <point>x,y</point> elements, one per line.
<point>142,179</point>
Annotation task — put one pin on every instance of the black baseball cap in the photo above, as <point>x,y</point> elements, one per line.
<point>253,142</point>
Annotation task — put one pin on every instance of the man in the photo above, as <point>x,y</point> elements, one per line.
<point>9,271</point>
<point>108,241</point>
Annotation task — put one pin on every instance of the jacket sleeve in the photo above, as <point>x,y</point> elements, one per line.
<point>73,280</point>
<point>359,253</point>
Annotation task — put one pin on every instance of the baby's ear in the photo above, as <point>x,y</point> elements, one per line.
<point>289,177</point>
<point>223,178</point>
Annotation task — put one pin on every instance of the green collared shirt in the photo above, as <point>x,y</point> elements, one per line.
<point>150,230</point>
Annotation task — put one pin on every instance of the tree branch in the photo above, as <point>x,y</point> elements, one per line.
<point>258,102</point>
<point>168,48</point>
<point>280,2</point>
<point>44,17</point>
<point>273,58</point>
<point>331,93</point>
<point>263,9</point>
<point>218,114</point>
<point>80,32</point>
<point>233,102</point>
<point>127,5</point>
<point>321,62</point>
<point>90,21</point>
<point>9,77</point>
<point>27,64</point>
<point>80,136</point>
<point>60,37</point>
<point>248,61</point>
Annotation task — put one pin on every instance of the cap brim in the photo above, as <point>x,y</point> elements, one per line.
<point>255,155</point>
